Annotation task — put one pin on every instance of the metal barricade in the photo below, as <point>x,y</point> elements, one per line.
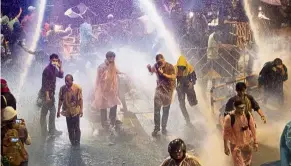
<point>200,61</point>
<point>214,99</point>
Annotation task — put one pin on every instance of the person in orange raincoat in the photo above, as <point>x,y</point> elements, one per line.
<point>106,90</point>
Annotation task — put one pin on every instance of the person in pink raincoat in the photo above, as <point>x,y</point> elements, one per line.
<point>106,90</point>
<point>239,134</point>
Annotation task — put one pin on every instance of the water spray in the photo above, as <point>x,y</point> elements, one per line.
<point>36,36</point>
<point>155,19</point>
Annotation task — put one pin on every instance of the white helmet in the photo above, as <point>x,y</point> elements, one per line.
<point>31,8</point>
<point>8,113</point>
<point>110,16</point>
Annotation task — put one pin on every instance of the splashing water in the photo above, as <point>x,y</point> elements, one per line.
<point>27,64</point>
<point>155,19</point>
<point>266,52</point>
<point>213,140</point>
<point>267,42</point>
<point>254,27</point>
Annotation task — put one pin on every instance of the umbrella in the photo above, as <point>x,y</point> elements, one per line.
<point>82,9</point>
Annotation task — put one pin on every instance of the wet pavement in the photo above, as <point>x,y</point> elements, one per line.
<point>133,149</point>
<point>136,148</point>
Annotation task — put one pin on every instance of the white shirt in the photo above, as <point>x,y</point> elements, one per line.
<point>85,32</point>
<point>212,50</point>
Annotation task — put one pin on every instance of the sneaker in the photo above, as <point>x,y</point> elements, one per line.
<point>76,143</point>
<point>106,125</point>
<point>123,110</point>
<point>95,133</point>
<point>155,133</point>
<point>189,124</point>
<point>56,133</point>
<point>164,131</point>
<point>194,103</point>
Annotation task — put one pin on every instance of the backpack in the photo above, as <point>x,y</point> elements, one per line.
<point>13,147</point>
<point>232,119</point>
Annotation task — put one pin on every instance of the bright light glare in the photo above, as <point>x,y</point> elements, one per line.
<point>36,36</point>
<point>58,27</point>
<point>150,10</point>
<point>191,14</point>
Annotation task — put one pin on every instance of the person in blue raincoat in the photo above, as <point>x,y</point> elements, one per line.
<point>285,146</point>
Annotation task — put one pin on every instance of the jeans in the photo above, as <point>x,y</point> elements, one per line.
<point>191,96</point>
<point>276,94</point>
<point>73,124</point>
<point>50,106</point>
<point>112,116</point>
<point>157,116</point>
<point>25,163</point>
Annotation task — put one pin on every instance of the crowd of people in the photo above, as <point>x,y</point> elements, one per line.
<point>14,30</point>
<point>239,129</point>
<point>239,125</point>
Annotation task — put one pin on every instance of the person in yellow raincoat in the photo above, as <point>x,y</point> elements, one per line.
<point>186,79</point>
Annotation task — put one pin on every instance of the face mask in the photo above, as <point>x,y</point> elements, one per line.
<point>54,63</point>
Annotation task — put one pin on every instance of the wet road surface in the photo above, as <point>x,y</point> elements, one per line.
<point>95,150</point>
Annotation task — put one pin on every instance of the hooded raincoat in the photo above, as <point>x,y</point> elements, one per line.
<point>241,141</point>
<point>185,81</point>
<point>186,78</point>
<point>106,89</point>
<point>188,74</point>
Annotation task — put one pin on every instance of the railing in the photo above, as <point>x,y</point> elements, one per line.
<point>214,99</point>
<point>198,58</point>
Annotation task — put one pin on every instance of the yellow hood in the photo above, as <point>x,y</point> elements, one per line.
<point>182,61</point>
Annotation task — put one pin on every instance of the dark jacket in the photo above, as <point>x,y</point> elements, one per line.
<point>271,77</point>
<point>188,74</point>
<point>251,104</point>
<point>49,78</point>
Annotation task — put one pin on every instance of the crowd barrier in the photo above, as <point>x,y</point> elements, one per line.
<point>214,87</point>
<point>198,58</point>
